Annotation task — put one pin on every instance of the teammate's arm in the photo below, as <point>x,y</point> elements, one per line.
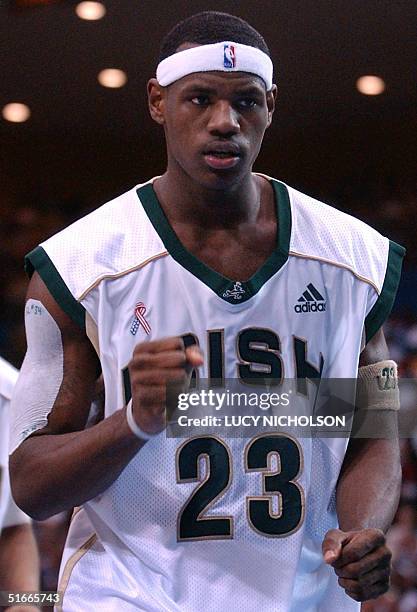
<point>19,563</point>
<point>62,465</point>
<point>367,498</point>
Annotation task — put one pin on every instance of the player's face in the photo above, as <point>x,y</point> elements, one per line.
<point>214,125</point>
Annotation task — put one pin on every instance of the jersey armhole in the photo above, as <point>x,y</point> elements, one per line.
<point>382,307</point>
<point>39,260</point>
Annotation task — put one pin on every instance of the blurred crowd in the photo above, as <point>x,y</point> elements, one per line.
<point>23,227</point>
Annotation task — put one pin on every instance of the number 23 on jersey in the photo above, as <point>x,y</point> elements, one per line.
<point>280,482</point>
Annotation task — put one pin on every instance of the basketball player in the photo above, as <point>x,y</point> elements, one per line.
<point>215,268</point>
<point>19,564</point>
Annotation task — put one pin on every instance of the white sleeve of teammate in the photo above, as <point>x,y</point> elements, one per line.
<point>13,515</point>
<point>40,377</point>
<point>10,514</point>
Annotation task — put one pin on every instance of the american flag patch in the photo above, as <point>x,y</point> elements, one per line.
<point>139,320</point>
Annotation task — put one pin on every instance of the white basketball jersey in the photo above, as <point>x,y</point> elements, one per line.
<point>189,525</point>
<point>10,514</point>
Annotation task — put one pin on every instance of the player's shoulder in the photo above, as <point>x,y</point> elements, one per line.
<point>8,378</point>
<point>114,238</point>
<point>324,233</point>
<point>322,229</point>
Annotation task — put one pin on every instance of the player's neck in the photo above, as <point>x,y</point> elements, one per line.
<point>185,201</point>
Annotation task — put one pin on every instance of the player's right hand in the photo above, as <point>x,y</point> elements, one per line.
<point>153,366</point>
<point>361,560</point>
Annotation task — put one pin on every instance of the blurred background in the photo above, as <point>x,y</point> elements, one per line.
<point>75,132</point>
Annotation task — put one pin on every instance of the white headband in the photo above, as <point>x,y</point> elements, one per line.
<point>222,56</point>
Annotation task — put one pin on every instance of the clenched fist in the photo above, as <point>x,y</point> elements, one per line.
<point>153,366</point>
<point>361,560</point>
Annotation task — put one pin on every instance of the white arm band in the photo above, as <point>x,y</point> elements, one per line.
<point>378,386</point>
<point>40,377</point>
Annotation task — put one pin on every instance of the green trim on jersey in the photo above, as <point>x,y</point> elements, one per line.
<point>232,291</point>
<point>39,260</point>
<point>382,307</point>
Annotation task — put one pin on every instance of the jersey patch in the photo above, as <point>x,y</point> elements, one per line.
<point>310,301</point>
<point>139,320</point>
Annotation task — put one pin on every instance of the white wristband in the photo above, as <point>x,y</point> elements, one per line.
<point>134,427</point>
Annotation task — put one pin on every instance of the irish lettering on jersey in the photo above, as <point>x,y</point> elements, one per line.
<point>258,360</point>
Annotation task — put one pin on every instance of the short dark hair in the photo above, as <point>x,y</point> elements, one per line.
<point>211,27</point>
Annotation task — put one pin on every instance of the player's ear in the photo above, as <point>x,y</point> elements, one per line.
<point>156,101</point>
<point>271,97</point>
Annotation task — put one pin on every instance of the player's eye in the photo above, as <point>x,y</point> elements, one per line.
<point>246,103</point>
<point>201,100</point>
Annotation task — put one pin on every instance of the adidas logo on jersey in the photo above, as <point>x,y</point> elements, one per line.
<point>310,301</point>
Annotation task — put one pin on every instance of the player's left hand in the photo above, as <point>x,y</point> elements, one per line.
<point>361,560</point>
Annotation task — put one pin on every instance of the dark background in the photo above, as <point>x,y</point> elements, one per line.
<point>85,144</point>
<point>326,138</point>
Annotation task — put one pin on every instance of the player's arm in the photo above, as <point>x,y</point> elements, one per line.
<point>63,465</point>
<point>368,492</point>
<point>19,562</point>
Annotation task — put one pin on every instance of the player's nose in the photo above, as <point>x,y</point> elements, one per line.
<point>224,119</point>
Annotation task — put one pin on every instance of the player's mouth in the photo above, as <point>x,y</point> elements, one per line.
<point>222,156</point>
